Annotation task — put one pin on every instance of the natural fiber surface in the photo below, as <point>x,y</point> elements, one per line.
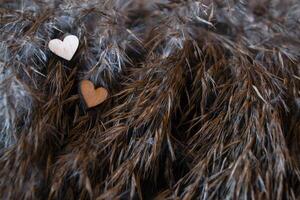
<point>204,100</point>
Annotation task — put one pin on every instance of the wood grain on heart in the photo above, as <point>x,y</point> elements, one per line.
<point>92,96</point>
<point>65,49</point>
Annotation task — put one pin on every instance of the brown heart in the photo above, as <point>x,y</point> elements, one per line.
<point>92,96</point>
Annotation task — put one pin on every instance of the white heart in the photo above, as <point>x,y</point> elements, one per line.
<point>65,49</point>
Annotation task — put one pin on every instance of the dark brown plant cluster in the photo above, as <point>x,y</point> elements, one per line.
<point>204,100</point>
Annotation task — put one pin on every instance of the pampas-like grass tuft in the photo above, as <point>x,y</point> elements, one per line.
<point>204,100</point>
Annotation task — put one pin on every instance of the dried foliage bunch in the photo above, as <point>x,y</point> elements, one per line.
<point>204,100</point>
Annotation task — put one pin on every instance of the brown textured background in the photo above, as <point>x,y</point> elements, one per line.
<point>204,100</point>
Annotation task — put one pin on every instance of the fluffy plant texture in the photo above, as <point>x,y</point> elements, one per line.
<point>204,100</point>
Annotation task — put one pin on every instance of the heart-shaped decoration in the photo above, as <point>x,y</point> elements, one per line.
<point>65,49</point>
<point>92,96</point>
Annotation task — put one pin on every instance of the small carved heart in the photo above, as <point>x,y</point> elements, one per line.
<point>65,49</point>
<point>92,96</point>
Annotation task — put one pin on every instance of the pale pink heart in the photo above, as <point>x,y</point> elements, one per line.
<point>65,49</point>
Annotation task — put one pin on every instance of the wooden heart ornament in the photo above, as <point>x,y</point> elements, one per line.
<point>92,96</point>
<point>65,49</point>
